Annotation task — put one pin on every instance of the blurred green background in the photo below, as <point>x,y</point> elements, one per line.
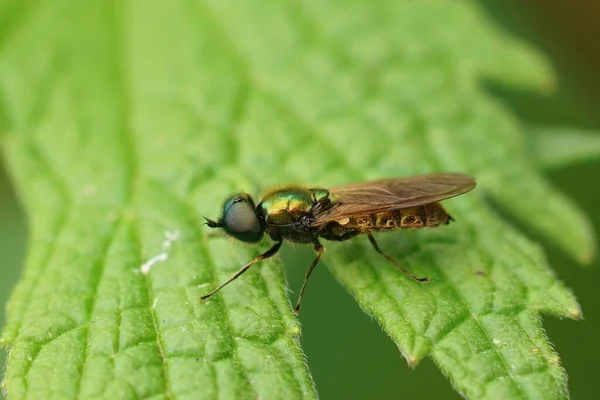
<point>348,353</point>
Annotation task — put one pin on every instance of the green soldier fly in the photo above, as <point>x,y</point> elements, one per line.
<point>305,215</point>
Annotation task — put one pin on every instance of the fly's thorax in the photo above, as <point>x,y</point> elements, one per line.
<point>290,205</point>
<point>321,196</point>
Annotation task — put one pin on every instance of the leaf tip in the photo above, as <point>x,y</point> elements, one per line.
<point>588,256</point>
<point>575,313</point>
<point>587,243</point>
<point>412,361</point>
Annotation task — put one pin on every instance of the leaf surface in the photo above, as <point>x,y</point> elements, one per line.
<point>125,122</point>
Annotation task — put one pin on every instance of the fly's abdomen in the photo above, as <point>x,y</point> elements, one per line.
<point>426,216</point>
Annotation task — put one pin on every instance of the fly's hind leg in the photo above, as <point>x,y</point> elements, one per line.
<point>396,263</point>
<point>320,250</point>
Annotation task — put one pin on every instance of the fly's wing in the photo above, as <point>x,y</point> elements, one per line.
<point>392,194</point>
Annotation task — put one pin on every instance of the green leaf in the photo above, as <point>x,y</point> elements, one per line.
<point>555,148</point>
<point>125,122</point>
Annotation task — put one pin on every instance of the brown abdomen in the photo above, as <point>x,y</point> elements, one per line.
<point>426,216</point>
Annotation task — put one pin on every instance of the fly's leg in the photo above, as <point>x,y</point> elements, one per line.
<point>396,263</point>
<point>320,250</point>
<point>269,253</point>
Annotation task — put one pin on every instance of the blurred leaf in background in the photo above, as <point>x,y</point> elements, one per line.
<point>12,247</point>
<point>567,33</point>
<point>169,121</point>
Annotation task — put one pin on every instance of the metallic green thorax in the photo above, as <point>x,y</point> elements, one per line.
<point>288,213</point>
<point>286,206</point>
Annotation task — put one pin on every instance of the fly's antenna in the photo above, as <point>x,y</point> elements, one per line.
<point>211,223</point>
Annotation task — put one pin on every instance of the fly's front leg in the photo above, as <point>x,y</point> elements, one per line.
<point>320,250</point>
<point>269,253</point>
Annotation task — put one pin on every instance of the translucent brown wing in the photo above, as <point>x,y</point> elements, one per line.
<point>392,194</point>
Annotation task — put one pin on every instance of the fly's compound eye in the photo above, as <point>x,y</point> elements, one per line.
<point>240,219</point>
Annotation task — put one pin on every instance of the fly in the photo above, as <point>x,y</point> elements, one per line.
<point>305,215</point>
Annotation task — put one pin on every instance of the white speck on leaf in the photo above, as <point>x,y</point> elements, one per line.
<point>170,237</point>
<point>154,303</point>
<point>145,268</point>
<point>496,341</point>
